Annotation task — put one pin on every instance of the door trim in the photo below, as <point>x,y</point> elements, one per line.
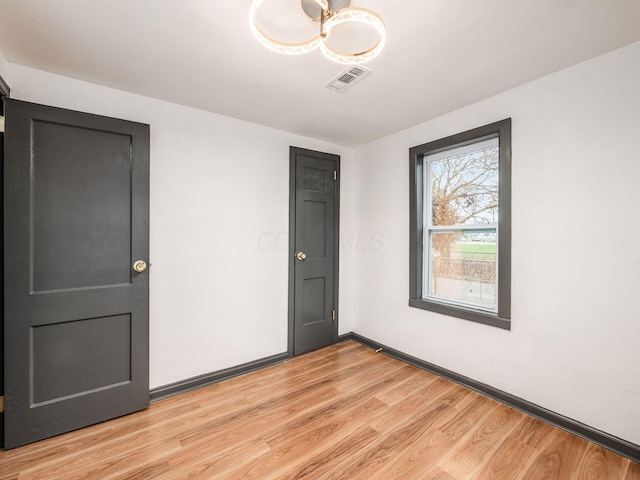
<point>293,152</point>
<point>5,92</point>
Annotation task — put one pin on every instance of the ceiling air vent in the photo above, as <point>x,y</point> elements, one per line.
<point>345,79</point>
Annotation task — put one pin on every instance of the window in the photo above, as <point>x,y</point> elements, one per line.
<point>460,244</point>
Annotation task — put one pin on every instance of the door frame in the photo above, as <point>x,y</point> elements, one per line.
<point>293,153</point>
<point>4,88</point>
<point>5,91</point>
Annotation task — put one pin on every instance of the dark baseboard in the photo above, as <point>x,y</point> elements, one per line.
<point>214,377</point>
<point>615,444</point>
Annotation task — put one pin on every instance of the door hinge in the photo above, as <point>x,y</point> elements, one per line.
<point>1,124</point>
<point>333,315</point>
<point>1,404</point>
<point>335,175</point>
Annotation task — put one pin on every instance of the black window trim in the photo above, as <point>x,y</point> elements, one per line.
<point>501,129</point>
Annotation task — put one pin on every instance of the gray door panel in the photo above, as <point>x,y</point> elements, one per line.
<point>76,200</point>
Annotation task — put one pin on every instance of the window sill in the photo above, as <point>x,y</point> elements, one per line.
<point>472,315</point>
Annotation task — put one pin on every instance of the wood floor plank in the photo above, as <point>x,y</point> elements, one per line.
<point>289,404</point>
<point>251,421</point>
<point>436,473</point>
<point>478,446</point>
<point>147,472</point>
<point>559,459</point>
<point>534,432</point>
<point>105,464</point>
<point>352,377</point>
<point>305,443</point>
<point>633,471</point>
<point>469,416</point>
<point>343,412</point>
<point>364,464</point>
<point>207,461</point>
<point>327,463</point>
<point>400,391</point>
<point>71,449</point>
<point>600,464</point>
<point>355,403</point>
<point>508,460</point>
<point>418,458</point>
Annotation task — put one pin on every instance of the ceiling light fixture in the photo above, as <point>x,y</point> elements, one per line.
<point>329,14</point>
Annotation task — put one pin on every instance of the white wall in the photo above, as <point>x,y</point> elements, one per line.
<point>574,346</point>
<point>219,226</point>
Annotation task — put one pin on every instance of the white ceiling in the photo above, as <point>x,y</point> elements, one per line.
<point>440,55</point>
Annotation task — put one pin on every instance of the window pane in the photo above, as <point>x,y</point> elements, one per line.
<point>464,184</point>
<point>463,268</point>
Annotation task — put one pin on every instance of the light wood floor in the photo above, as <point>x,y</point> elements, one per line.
<point>343,412</point>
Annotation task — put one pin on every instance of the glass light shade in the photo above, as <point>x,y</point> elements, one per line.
<point>360,15</point>
<point>275,45</point>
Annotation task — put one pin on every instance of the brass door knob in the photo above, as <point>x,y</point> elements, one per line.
<point>301,256</point>
<point>140,266</point>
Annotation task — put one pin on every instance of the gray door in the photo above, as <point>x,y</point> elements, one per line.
<point>76,202</point>
<point>313,250</point>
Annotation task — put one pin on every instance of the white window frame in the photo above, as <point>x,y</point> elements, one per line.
<point>429,228</point>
